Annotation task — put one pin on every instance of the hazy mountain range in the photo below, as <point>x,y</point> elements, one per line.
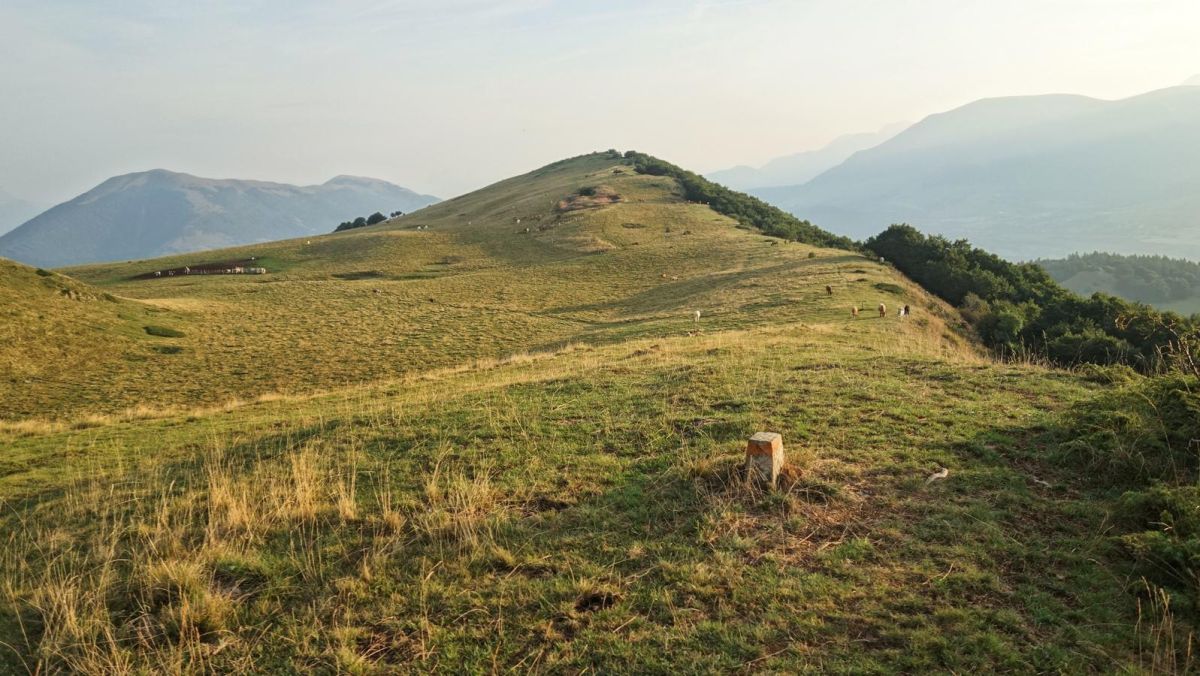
<point>159,212</point>
<point>802,167</point>
<point>1028,177</point>
<point>15,211</point>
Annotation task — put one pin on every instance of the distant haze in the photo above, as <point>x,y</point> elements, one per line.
<point>1028,177</point>
<point>444,96</point>
<point>803,166</point>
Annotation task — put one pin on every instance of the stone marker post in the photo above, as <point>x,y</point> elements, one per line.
<point>764,457</point>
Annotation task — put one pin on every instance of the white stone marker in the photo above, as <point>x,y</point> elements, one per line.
<point>764,457</point>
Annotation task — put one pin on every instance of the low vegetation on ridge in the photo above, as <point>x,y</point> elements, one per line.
<point>743,208</point>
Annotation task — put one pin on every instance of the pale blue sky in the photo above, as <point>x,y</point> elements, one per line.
<point>444,96</point>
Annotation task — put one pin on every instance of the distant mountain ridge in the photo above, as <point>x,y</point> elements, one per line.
<point>1028,177</point>
<point>14,211</point>
<point>802,167</point>
<point>159,212</point>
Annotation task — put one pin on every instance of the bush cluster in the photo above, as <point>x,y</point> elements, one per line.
<point>364,221</point>
<point>1018,309</point>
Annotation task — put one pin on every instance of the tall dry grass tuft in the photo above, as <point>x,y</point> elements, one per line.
<point>1164,646</point>
<point>302,497</point>
<point>233,508</point>
<point>121,576</point>
<point>461,509</point>
<point>390,516</point>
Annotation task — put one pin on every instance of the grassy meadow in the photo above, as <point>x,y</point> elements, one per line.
<point>446,444</point>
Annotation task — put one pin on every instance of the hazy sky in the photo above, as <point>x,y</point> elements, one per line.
<point>444,96</point>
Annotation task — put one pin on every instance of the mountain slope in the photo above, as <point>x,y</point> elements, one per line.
<point>494,436</point>
<point>527,264</point>
<point>802,167</point>
<point>159,212</point>
<point>1028,177</point>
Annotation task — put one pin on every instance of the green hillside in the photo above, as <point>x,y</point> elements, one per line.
<point>492,436</point>
<point>1166,283</point>
<point>393,300</point>
<point>58,335</point>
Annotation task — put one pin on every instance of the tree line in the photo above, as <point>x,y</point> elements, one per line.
<point>743,208</point>
<point>1150,279</point>
<point>364,221</point>
<point>1019,309</point>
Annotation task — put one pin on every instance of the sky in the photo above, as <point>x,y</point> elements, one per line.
<point>445,96</point>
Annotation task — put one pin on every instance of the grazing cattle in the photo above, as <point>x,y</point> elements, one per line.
<point>829,289</point>
<point>905,310</point>
<point>882,310</point>
<point>854,311</point>
<point>696,317</point>
<point>158,274</point>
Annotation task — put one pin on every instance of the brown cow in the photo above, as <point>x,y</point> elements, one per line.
<point>882,310</point>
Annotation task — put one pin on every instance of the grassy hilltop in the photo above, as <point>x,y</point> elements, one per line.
<point>489,436</point>
<point>390,300</point>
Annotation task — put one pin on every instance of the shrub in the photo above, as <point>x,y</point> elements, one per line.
<point>1144,436</point>
<point>1146,431</point>
<point>43,273</point>
<point>1165,539</point>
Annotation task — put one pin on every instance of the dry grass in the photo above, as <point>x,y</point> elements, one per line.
<point>1165,645</point>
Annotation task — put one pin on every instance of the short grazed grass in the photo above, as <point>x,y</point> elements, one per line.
<point>472,286</point>
<point>582,510</point>
<point>475,449</point>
